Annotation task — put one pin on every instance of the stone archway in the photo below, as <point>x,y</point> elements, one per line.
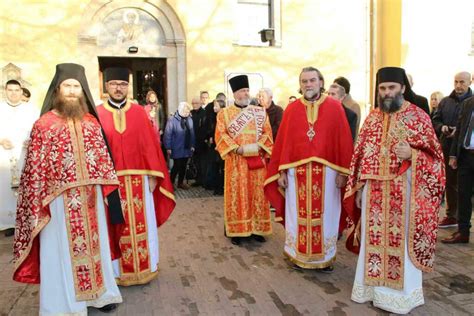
<point>168,42</point>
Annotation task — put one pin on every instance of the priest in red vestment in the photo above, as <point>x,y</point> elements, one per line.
<point>64,236</point>
<point>307,171</point>
<point>398,178</point>
<point>145,188</point>
<point>244,140</point>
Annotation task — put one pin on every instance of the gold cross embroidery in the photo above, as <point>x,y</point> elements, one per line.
<point>317,170</point>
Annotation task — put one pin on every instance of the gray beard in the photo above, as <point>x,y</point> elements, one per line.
<point>311,95</point>
<point>391,105</point>
<point>243,102</point>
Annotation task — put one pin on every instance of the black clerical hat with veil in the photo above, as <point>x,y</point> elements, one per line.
<point>64,72</point>
<point>75,71</point>
<point>393,74</point>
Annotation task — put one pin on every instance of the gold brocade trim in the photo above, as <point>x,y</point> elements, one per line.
<point>229,149</point>
<point>87,256</point>
<point>412,223</point>
<point>120,120</point>
<point>311,221</point>
<point>271,179</point>
<point>255,232</point>
<point>49,198</point>
<point>142,278</point>
<point>384,250</point>
<point>81,149</point>
<point>356,188</point>
<point>134,237</point>
<point>167,193</point>
<point>314,159</point>
<point>312,109</point>
<point>140,172</point>
<point>268,150</point>
<point>385,144</point>
<point>24,254</point>
<point>75,128</point>
<point>305,265</point>
<point>307,220</point>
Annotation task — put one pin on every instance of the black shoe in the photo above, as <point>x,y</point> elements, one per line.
<point>235,240</point>
<point>259,238</point>
<point>9,232</point>
<point>196,184</point>
<point>329,269</point>
<point>109,308</point>
<point>218,192</point>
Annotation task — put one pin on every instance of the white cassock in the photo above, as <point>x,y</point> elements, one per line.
<point>15,125</point>
<point>331,211</point>
<point>57,293</point>
<point>152,233</point>
<point>395,301</point>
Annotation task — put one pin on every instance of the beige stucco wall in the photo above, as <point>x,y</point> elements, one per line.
<point>331,35</point>
<point>436,40</point>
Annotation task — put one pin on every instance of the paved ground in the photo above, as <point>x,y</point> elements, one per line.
<point>202,273</point>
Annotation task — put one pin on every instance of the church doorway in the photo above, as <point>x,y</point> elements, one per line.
<point>146,74</point>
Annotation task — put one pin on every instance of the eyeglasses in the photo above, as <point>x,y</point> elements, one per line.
<point>121,85</point>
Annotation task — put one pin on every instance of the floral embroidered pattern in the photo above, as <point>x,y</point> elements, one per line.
<point>395,303</point>
<point>375,160</point>
<point>83,232</point>
<point>56,161</point>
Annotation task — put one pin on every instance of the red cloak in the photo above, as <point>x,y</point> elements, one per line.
<point>57,160</point>
<point>331,146</point>
<point>136,150</point>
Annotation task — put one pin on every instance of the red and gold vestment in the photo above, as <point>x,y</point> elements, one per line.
<point>67,158</point>
<point>375,164</point>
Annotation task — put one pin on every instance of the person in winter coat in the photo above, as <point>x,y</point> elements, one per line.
<point>179,142</point>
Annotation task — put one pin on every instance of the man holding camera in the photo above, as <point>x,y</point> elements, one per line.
<point>444,122</point>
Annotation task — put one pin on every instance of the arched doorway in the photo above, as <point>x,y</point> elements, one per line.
<point>148,38</point>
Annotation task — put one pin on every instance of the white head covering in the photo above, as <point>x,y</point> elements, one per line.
<point>181,107</point>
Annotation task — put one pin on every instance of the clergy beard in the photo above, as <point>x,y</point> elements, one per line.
<point>71,108</point>
<point>391,105</point>
<point>243,102</point>
<point>311,95</point>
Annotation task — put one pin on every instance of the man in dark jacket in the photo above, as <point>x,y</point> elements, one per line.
<point>198,115</point>
<point>444,121</point>
<point>274,112</point>
<point>462,159</point>
<point>211,181</point>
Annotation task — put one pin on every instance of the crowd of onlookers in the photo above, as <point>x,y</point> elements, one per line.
<point>188,135</point>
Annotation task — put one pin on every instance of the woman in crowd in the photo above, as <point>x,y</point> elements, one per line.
<point>179,142</point>
<point>434,101</point>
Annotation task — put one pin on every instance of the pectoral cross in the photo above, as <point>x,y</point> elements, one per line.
<point>311,133</point>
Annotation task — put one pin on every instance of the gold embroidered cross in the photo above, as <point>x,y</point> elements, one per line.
<point>317,170</point>
<point>140,226</point>
<point>136,182</point>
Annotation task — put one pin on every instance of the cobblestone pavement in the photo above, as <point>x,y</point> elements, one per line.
<point>202,273</point>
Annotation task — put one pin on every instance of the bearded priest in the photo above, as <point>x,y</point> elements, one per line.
<point>307,171</point>
<point>68,205</point>
<point>398,178</point>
